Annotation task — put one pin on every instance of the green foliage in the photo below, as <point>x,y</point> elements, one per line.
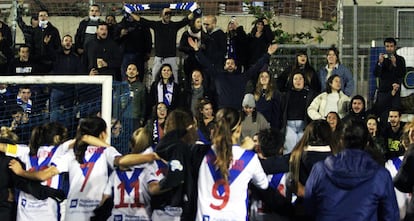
<point>284,37</point>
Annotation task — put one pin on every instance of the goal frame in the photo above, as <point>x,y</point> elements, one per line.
<point>105,81</point>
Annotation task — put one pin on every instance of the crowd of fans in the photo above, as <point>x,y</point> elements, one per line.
<point>310,146</point>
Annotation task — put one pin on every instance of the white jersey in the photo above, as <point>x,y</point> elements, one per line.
<point>87,180</point>
<point>222,201</point>
<point>403,199</point>
<point>130,192</point>
<point>30,208</point>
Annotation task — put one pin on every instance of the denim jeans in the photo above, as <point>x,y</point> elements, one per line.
<point>294,131</point>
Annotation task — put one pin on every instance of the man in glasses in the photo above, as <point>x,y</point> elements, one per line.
<point>165,35</point>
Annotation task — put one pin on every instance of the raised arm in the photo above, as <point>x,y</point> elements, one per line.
<point>254,70</point>
<point>202,59</point>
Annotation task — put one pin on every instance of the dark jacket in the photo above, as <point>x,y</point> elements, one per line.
<point>80,33</point>
<point>230,87</point>
<point>165,36</point>
<point>109,51</point>
<point>9,180</point>
<point>138,40</point>
<point>351,186</point>
<point>215,49</point>
<point>308,97</point>
<point>182,182</point>
<point>404,180</point>
<point>67,64</point>
<point>42,52</point>
<point>258,46</point>
<point>388,74</point>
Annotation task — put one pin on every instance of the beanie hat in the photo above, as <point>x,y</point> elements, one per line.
<point>249,101</point>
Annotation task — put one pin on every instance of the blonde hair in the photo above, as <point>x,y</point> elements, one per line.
<point>7,133</point>
<point>140,140</point>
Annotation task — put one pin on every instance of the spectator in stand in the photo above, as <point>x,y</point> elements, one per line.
<point>390,71</point>
<point>215,42</point>
<point>45,43</point>
<point>165,35</point>
<point>26,29</point>
<point>301,64</point>
<point>351,185</point>
<point>164,89</point>
<point>393,165</point>
<point>335,123</point>
<point>334,67</point>
<point>314,146</point>
<point>67,62</point>
<point>103,54</point>
<point>392,133</point>
<point>190,62</point>
<point>6,34</point>
<point>268,100</point>
<point>378,142</point>
<point>136,108</point>
<point>252,121</point>
<point>205,120</point>
<point>6,100</point>
<point>112,25</point>
<point>357,110</point>
<point>157,123</point>
<point>404,181</point>
<point>6,54</point>
<point>236,43</point>
<point>62,97</point>
<point>258,40</point>
<point>199,89</point>
<point>333,99</point>
<point>230,83</point>
<point>293,110</point>
<point>87,29</point>
<point>23,64</point>
<point>136,43</point>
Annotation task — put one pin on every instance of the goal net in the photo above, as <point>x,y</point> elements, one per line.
<point>28,101</point>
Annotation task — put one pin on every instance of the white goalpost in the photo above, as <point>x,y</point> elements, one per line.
<point>104,81</point>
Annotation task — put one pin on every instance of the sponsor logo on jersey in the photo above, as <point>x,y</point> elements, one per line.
<point>117,217</point>
<point>24,202</point>
<point>74,203</point>
<point>206,217</point>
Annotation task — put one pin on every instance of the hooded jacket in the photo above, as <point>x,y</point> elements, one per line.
<point>351,186</point>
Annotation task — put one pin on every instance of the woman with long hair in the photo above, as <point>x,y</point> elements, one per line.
<point>164,89</point>
<point>294,105</point>
<point>334,67</point>
<point>314,146</point>
<point>88,167</point>
<point>333,99</point>
<point>157,122</point>
<point>268,99</point>
<point>300,64</point>
<point>260,37</point>
<point>205,120</point>
<point>226,170</point>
